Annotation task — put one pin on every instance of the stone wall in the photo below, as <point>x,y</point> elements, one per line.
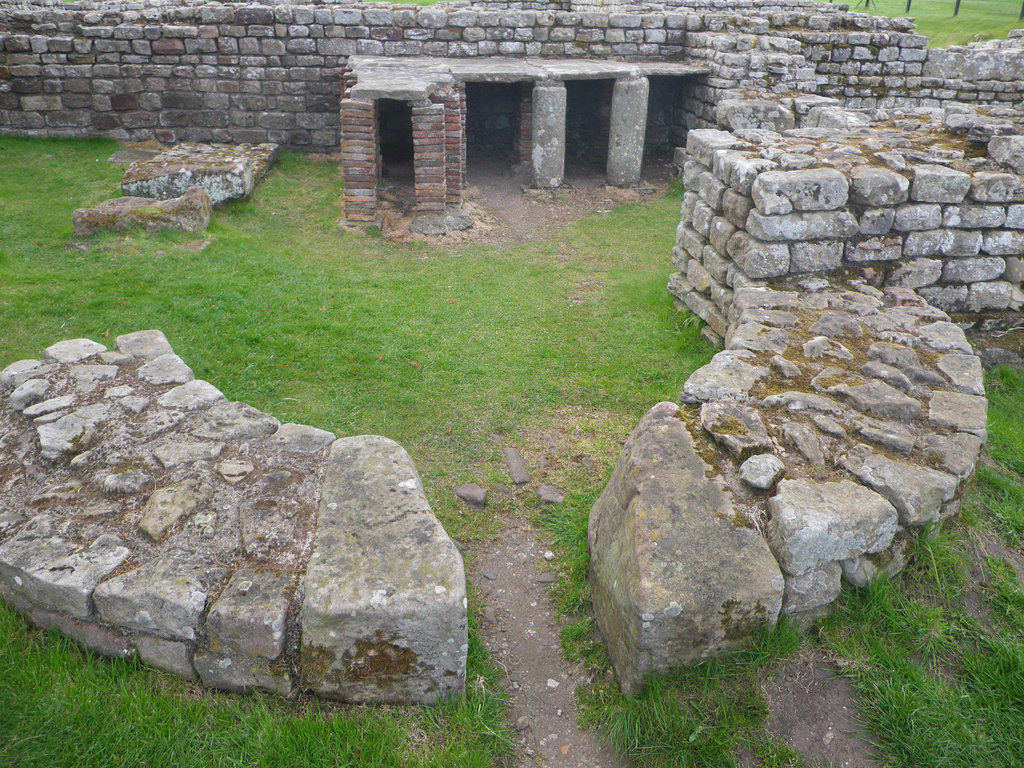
<point>837,423</point>
<point>143,514</point>
<point>910,196</point>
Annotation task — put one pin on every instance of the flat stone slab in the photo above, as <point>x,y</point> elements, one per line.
<point>677,574</point>
<point>224,171</point>
<point>188,212</point>
<point>213,542</point>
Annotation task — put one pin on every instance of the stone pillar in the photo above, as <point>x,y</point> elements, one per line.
<point>548,150</point>
<point>627,130</point>
<point>429,166</point>
<point>360,159</point>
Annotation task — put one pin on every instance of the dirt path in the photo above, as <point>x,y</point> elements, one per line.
<point>520,632</point>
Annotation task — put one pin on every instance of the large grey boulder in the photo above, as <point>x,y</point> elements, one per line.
<point>676,572</point>
<point>384,615</point>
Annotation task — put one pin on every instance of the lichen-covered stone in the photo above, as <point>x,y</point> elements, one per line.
<point>189,212</point>
<point>384,614</point>
<point>676,574</point>
<point>224,172</point>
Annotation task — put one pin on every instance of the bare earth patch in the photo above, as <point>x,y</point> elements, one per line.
<point>815,711</point>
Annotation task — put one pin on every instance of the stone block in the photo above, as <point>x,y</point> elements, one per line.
<point>815,523</point>
<point>877,187</point>
<point>757,114</point>
<point>224,172</point>
<point>939,184</point>
<point>820,256</point>
<point>811,225</point>
<point>1008,150</point>
<point>919,494</point>
<point>781,192</point>
<point>973,270</point>
<point>998,242</point>
<point>384,621</point>
<point>916,273</point>
<point>756,258</point>
<point>676,573</point>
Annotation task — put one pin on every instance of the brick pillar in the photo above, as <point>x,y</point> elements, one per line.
<point>525,121</point>
<point>429,168</point>
<point>454,101</point>
<point>360,159</point>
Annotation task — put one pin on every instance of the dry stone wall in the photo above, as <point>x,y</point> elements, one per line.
<point>142,513</point>
<point>250,73</point>
<point>930,200</point>
<point>837,422</point>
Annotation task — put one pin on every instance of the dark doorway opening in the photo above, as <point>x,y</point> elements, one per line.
<point>493,115</point>
<point>588,109</point>
<point>666,118</point>
<point>394,124</point>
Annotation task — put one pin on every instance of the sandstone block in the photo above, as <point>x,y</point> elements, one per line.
<point>814,523</point>
<point>781,192</point>
<point>675,574</point>
<point>385,620</point>
<point>189,212</point>
<point>877,186</point>
<point>938,184</point>
<point>225,172</point>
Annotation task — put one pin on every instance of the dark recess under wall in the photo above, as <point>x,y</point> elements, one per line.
<point>395,126</point>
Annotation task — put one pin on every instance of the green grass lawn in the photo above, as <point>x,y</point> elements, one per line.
<point>438,348</point>
<point>441,348</point>
<point>977,19</point>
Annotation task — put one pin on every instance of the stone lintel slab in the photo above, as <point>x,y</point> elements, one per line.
<point>677,573</point>
<point>374,71</point>
<point>384,613</point>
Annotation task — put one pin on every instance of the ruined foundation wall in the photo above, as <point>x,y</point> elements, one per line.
<point>181,71</point>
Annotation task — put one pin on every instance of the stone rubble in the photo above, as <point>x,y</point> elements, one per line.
<point>142,513</point>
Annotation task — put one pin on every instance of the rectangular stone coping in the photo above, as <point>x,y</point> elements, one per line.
<point>411,78</point>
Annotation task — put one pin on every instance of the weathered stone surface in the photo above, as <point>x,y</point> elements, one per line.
<point>166,506</point>
<point>888,434</point>
<point>918,493</point>
<point>167,368</point>
<point>879,399</point>
<point>403,561</point>
<point>956,453</point>
<point>47,571</point>
<point>662,536</point>
<point>189,212</point>
<point>234,421</point>
<point>746,114</point>
<point>16,374</point>
<point>914,217</point>
<point>1008,150</point>
<point>191,396</point>
<point>146,345</point>
<point>757,338</point>
<point>250,616</point>
<point>837,325</point>
<point>863,569</point>
<point>165,597</point>
<point>238,672</point>
<point>224,172</point>
<point>71,433</point>
<point>823,346</point>
<point>943,336</point>
<point>877,186</point>
<point>517,469</point>
<point>172,656</point>
<point>627,126</point>
<point>762,471</point>
<point>177,452</point>
<point>727,376</point>
<point>809,225</point>
<point>802,437</point>
<point>964,372</point>
<point>916,273</point>
<point>757,258</point>
<point>550,494</point>
<point>964,413</point>
<point>735,427</point>
<point>300,439</point>
<point>812,589</point>
<point>72,351</point>
<point>548,145</point>
<point>782,192</point>
<point>815,256</point>
<point>32,391</point>
<point>938,184</point>
<point>813,523</point>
